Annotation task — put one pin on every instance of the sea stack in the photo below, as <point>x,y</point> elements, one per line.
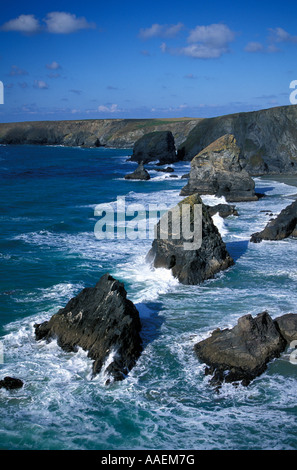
<point>217,170</point>
<point>102,321</point>
<point>155,146</point>
<point>139,174</point>
<point>188,264</point>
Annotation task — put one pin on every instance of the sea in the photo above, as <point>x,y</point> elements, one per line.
<point>49,252</point>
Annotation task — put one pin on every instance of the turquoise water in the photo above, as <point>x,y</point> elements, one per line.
<point>48,253</point>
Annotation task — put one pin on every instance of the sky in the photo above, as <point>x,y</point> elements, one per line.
<point>158,59</point>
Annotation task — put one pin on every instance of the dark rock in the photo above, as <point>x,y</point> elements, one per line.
<point>283,226</point>
<point>139,174</point>
<point>242,353</point>
<point>224,210</point>
<point>217,170</point>
<point>155,146</point>
<point>168,169</point>
<point>102,321</point>
<point>267,138</point>
<point>11,383</point>
<point>190,266</point>
<point>287,325</point>
<point>186,176</point>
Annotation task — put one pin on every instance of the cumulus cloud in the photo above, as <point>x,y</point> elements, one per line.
<point>205,42</point>
<point>113,108</point>
<point>40,84</point>
<point>53,66</point>
<point>254,47</point>
<point>27,24</point>
<point>58,22</point>
<point>160,30</point>
<point>280,35</point>
<point>16,71</point>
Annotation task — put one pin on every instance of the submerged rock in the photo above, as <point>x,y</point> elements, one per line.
<point>11,383</point>
<point>242,353</point>
<point>155,146</point>
<point>189,264</point>
<point>139,174</point>
<point>217,170</point>
<point>283,226</point>
<point>102,321</point>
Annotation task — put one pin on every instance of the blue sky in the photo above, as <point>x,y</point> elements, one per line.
<point>85,60</point>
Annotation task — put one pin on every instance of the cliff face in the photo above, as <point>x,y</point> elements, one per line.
<point>118,133</point>
<point>267,138</point>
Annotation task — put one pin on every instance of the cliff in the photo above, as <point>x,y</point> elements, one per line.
<point>267,138</point>
<point>118,133</point>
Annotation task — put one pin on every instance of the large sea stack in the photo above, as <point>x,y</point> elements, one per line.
<point>155,146</point>
<point>217,170</point>
<point>102,321</point>
<point>190,266</point>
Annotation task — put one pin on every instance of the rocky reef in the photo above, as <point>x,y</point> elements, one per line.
<point>243,352</point>
<point>102,321</point>
<point>139,174</point>
<point>189,266</point>
<point>283,226</point>
<point>155,146</point>
<point>217,170</point>
<point>267,138</point>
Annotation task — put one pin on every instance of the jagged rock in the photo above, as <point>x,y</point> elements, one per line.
<point>242,353</point>
<point>283,226</point>
<point>287,325</point>
<point>190,266</point>
<point>11,383</point>
<point>102,321</point>
<point>139,174</point>
<point>217,170</point>
<point>224,210</point>
<point>267,138</point>
<point>155,146</point>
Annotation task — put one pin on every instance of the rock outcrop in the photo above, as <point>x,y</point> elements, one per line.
<point>224,210</point>
<point>242,353</point>
<point>155,146</point>
<point>11,383</point>
<point>267,138</point>
<point>283,226</point>
<point>102,321</point>
<point>115,133</point>
<point>190,265</point>
<point>217,170</point>
<point>139,174</point>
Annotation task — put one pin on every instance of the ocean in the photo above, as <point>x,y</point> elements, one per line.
<point>49,253</point>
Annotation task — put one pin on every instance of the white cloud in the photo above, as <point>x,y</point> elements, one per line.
<point>40,84</point>
<point>27,24</point>
<point>108,109</point>
<point>205,42</point>
<point>214,35</point>
<point>58,22</point>
<point>254,47</point>
<point>53,66</point>
<point>16,71</point>
<point>159,30</point>
<point>280,35</point>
